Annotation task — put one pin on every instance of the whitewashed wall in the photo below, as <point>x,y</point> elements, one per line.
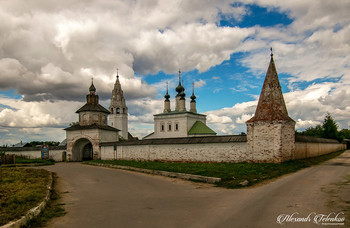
<point>309,149</point>
<point>54,154</point>
<point>208,152</point>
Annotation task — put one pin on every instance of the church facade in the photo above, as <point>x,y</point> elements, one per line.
<point>180,122</point>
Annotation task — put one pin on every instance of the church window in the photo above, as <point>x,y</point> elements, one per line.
<point>123,110</point>
<point>169,126</point>
<point>85,119</point>
<point>118,111</point>
<point>112,110</point>
<point>176,126</point>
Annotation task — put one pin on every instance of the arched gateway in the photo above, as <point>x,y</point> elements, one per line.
<point>82,150</point>
<point>83,139</point>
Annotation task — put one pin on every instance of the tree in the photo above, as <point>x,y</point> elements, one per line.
<point>313,131</point>
<point>330,127</point>
<point>344,134</point>
<point>73,124</point>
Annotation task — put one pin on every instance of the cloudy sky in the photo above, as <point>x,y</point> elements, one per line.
<point>50,50</point>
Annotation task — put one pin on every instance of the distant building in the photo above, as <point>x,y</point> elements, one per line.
<point>180,122</point>
<point>22,144</point>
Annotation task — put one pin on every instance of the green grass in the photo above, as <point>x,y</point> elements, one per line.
<point>232,174</point>
<point>20,190</point>
<point>53,209</point>
<point>24,161</point>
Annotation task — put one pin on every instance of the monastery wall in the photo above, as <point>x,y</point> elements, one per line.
<point>205,152</point>
<point>55,154</point>
<point>308,150</point>
<point>193,149</point>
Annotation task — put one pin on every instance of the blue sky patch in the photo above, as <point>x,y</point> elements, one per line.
<point>257,15</point>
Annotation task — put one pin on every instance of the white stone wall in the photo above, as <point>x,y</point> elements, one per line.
<point>271,141</point>
<point>308,150</point>
<point>54,154</point>
<point>206,152</point>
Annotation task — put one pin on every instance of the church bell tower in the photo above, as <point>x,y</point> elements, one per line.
<point>119,112</point>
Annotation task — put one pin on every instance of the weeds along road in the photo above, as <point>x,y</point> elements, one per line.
<point>102,197</point>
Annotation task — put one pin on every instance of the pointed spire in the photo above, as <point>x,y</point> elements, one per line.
<point>271,52</point>
<point>117,73</point>
<point>271,105</point>
<point>167,96</point>
<point>193,97</point>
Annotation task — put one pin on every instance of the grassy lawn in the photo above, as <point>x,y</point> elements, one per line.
<point>20,190</point>
<point>24,160</point>
<point>232,174</point>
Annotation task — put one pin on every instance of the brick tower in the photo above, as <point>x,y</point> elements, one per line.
<point>271,132</point>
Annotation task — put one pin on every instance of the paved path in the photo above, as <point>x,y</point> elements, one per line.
<point>102,197</point>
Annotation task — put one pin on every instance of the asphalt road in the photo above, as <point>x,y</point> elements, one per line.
<point>102,197</point>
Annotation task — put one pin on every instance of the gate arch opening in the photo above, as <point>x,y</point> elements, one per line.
<point>82,150</point>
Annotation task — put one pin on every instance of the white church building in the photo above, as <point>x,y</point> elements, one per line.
<point>180,122</point>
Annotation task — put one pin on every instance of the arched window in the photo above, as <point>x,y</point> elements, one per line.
<point>112,110</point>
<point>176,126</point>
<point>169,126</point>
<point>118,110</point>
<point>123,110</point>
<point>162,126</point>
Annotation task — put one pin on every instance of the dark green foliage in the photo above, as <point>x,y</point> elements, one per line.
<point>344,134</point>
<point>73,124</point>
<point>24,160</point>
<point>313,131</point>
<point>330,127</point>
<point>329,130</point>
<point>49,143</point>
<point>232,174</point>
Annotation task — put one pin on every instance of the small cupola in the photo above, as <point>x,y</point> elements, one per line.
<point>92,88</point>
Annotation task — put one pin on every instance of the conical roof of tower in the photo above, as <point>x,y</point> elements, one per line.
<point>118,99</point>
<point>271,105</point>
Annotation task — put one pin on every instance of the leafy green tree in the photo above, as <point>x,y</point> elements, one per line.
<point>313,131</point>
<point>330,127</point>
<point>344,134</point>
<point>73,124</point>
